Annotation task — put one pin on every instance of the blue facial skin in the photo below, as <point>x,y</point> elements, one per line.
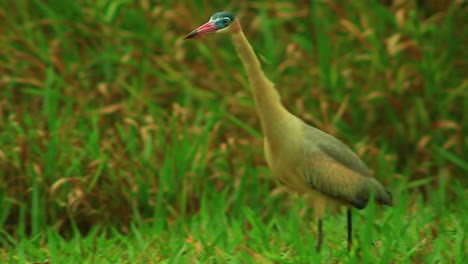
<point>223,19</point>
<point>220,20</point>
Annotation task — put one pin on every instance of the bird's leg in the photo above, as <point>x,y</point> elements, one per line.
<point>320,236</point>
<point>350,230</point>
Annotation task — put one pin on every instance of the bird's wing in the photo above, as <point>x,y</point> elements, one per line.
<point>331,178</point>
<point>342,154</point>
<point>331,168</point>
<point>336,150</point>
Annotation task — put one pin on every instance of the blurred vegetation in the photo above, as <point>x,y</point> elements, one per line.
<point>108,117</point>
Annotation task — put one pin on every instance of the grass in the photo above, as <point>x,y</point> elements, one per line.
<point>121,143</point>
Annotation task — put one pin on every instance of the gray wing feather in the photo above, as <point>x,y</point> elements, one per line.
<point>337,150</point>
<point>346,157</point>
<point>346,178</point>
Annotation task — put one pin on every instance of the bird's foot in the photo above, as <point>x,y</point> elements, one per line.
<point>350,245</point>
<point>317,248</point>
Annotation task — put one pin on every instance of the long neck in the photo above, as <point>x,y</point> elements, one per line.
<point>267,99</point>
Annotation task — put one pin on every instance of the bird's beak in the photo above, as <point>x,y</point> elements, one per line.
<point>208,27</point>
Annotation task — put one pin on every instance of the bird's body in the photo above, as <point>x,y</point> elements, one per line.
<point>307,160</point>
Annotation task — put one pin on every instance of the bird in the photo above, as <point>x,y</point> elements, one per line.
<point>310,162</point>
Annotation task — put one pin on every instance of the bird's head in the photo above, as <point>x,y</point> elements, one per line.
<point>219,23</point>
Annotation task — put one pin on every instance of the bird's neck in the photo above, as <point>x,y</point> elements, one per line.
<point>267,99</point>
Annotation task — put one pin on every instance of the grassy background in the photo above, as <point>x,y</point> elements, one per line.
<point>121,143</point>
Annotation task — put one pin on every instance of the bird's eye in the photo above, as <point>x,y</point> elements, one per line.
<point>225,21</point>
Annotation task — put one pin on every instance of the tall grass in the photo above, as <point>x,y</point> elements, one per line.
<point>121,143</point>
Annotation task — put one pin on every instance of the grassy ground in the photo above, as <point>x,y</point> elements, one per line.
<point>121,143</point>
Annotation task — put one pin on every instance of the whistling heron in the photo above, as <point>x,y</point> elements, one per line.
<point>307,160</point>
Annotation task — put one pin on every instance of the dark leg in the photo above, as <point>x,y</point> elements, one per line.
<point>350,230</point>
<point>320,236</point>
